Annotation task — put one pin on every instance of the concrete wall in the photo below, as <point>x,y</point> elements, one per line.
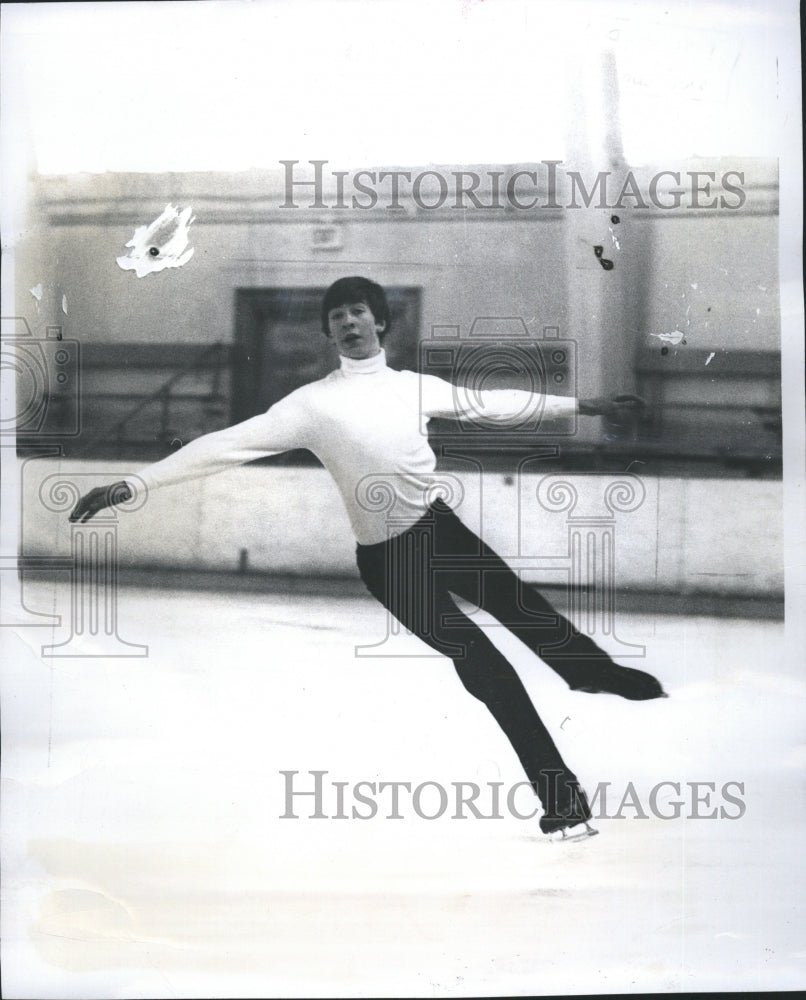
<point>688,536</point>
<point>710,273</point>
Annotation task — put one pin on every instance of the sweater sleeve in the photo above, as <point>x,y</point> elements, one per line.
<point>281,428</point>
<point>439,398</point>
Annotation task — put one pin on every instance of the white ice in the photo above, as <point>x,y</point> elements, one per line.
<point>145,856</point>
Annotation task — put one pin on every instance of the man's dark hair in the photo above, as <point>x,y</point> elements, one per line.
<point>356,289</point>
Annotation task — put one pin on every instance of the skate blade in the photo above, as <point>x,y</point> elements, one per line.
<point>580,832</point>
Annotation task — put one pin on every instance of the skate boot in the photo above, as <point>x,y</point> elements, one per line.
<point>610,678</point>
<point>567,813</point>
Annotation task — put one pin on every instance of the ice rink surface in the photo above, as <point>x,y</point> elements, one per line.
<point>145,854</point>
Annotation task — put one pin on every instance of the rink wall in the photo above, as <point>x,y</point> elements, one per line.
<point>711,273</point>
<point>670,535</point>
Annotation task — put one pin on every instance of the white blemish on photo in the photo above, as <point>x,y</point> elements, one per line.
<point>675,337</point>
<point>163,243</point>
<point>36,291</point>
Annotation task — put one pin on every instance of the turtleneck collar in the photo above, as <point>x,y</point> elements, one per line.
<point>364,366</point>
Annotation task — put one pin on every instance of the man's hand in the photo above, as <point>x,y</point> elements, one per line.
<point>99,498</point>
<point>618,410</point>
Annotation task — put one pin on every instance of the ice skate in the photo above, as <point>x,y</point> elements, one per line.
<point>610,678</point>
<point>567,835</point>
<point>569,817</point>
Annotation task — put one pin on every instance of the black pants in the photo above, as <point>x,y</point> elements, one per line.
<point>414,574</point>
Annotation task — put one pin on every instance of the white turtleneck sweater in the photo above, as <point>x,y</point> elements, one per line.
<point>366,423</point>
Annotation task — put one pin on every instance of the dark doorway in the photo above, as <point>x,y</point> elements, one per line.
<point>279,344</point>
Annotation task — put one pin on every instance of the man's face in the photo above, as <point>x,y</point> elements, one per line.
<point>355,330</point>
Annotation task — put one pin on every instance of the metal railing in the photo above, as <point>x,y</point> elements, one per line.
<point>164,395</point>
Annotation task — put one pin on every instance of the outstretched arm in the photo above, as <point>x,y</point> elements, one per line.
<point>497,406</point>
<point>279,429</point>
<point>617,410</point>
